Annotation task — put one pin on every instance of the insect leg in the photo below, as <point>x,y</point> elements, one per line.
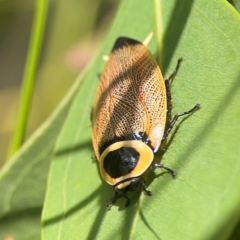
<point>113,200</point>
<point>167,84</point>
<point>149,193</point>
<point>116,197</point>
<point>176,118</point>
<point>158,165</point>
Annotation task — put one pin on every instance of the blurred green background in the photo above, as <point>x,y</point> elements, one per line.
<point>73,33</point>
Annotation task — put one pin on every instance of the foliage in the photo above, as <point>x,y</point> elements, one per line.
<point>203,202</point>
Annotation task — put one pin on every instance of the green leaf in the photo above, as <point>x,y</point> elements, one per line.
<point>203,202</point>
<point>236,233</point>
<point>23,179</point>
<point>236,4</point>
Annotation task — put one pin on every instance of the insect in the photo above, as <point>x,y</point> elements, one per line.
<point>129,116</point>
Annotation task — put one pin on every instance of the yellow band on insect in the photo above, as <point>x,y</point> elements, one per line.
<point>145,159</point>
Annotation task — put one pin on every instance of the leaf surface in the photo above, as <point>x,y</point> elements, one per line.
<point>202,203</point>
<point>23,178</point>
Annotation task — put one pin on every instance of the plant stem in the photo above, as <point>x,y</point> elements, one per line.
<point>29,76</point>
